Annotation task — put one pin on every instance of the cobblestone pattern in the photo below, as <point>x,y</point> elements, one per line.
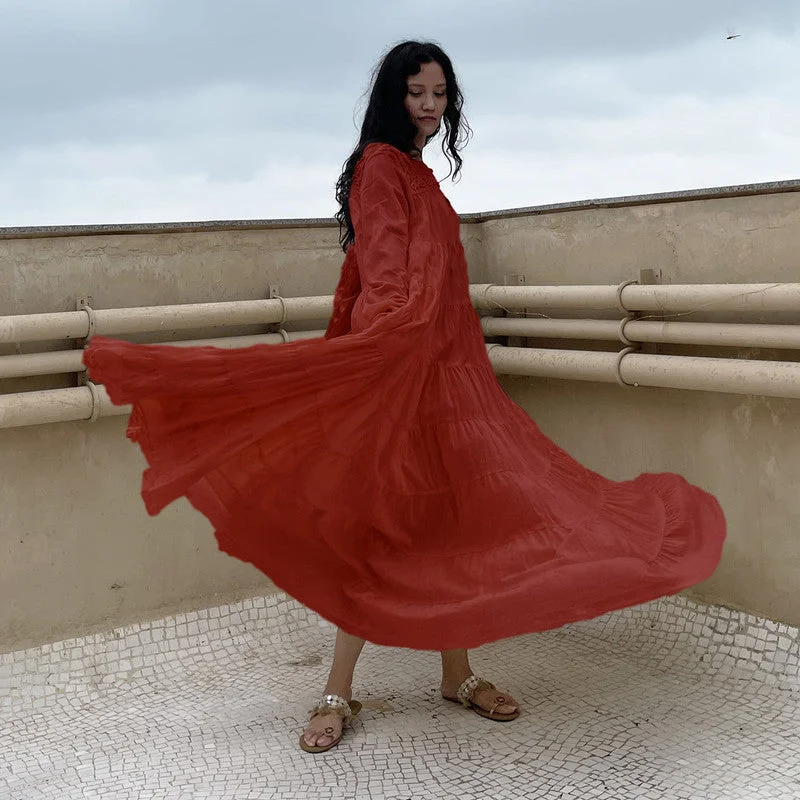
<point>667,701</point>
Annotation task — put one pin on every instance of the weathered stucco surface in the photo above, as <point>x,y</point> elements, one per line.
<point>79,553</point>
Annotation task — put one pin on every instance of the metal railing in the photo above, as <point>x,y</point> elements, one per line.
<point>627,367</point>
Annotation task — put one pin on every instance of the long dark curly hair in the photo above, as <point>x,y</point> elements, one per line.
<point>386,118</point>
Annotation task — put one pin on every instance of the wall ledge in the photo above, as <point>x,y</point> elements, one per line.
<point>149,228</point>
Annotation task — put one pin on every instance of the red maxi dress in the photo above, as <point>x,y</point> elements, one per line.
<point>380,475</point>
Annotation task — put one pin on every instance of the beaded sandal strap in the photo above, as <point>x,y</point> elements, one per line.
<point>471,685</point>
<point>466,692</point>
<point>335,703</point>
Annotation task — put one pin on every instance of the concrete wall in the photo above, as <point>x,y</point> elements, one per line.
<point>716,239</point>
<point>79,552</point>
<point>743,449</point>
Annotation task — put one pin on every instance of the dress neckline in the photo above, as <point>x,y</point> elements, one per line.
<point>418,161</point>
<point>407,155</point>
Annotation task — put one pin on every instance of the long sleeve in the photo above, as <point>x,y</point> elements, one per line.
<point>380,213</point>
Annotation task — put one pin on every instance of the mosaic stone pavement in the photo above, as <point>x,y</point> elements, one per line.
<point>667,701</point>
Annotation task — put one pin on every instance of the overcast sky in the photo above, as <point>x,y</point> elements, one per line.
<point>172,110</point>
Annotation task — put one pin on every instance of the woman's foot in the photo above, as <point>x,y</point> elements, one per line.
<point>325,727</point>
<point>323,730</point>
<point>484,695</point>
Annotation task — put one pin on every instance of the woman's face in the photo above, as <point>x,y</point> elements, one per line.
<point>426,99</point>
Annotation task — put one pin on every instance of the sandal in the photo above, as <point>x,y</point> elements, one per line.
<point>338,705</point>
<point>466,693</point>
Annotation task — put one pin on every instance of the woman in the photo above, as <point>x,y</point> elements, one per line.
<point>414,89</point>
<point>380,475</point>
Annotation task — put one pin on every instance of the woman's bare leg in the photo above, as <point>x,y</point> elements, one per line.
<point>456,669</point>
<point>340,679</point>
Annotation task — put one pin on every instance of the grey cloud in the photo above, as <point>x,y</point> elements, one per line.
<point>598,28</point>
<point>58,59</point>
<point>125,72</point>
<point>197,94</point>
<point>211,110</point>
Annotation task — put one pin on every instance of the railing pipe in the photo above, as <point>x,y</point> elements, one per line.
<point>601,329</point>
<point>733,376</point>
<point>56,405</point>
<point>626,297</point>
<point>65,361</point>
<point>754,297</point>
<point>120,321</point>
<point>695,333</point>
<point>712,334</point>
